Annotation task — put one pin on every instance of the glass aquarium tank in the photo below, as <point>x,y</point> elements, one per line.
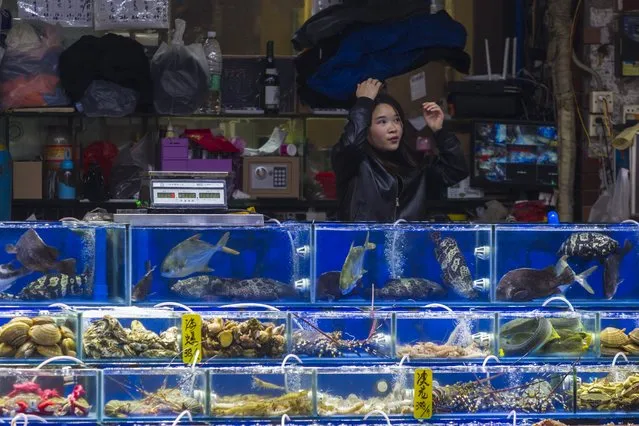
<point>216,264</point>
<point>244,336</point>
<point>261,392</point>
<point>65,262</point>
<point>401,264</point>
<point>544,335</point>
<point>153,393</point>
<point>444,335</point>
<point>607,391</point>
<point>62,394</point>
<point>342,336</point>
<point>131,334</point>
<point>585,263</point>
<point>31,335</point>
<point>479,392</point>
<point>356,391</point>
<point>618,332</point>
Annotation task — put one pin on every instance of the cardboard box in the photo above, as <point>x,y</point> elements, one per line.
<point>412,89</point>
<point>27,180</point>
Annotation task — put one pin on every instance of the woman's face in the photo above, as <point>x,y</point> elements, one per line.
<point>386,128</point>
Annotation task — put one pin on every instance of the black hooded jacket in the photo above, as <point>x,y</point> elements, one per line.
<point>367,192</point>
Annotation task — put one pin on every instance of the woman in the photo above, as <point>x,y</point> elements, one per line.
<point>380,177</point>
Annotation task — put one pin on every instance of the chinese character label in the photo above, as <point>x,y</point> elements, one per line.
<point>423,397</point>
<point>191,338</point>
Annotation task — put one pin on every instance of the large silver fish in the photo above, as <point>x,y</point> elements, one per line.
<point>9,274</point>
<point>192,256</point>
<point>35,255</point>
<point>353,268</point>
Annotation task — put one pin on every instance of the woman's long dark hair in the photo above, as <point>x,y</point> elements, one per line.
<point>405,158</point>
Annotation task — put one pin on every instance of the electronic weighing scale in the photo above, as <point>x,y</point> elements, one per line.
<point>185,190</point>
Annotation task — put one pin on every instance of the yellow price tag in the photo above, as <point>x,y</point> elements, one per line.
<point>191,338</point>
<point>423,393</point>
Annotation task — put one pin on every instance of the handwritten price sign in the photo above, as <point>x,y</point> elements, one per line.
<point>191,338</point>
<point>423,397</point>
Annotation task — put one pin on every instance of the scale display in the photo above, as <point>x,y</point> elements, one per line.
<point>196,193</point>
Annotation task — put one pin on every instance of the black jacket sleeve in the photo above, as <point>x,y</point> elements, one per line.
<point>350,150</point>
<point>449,167</point>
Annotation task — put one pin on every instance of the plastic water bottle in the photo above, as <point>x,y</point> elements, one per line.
<point>6,183</point>
<point>214,59</point>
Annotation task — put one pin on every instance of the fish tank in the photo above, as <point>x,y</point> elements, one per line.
<point>75,263</point>
<point>244,336</point>
<point>153,393</point>
<point>342,336</point>
<point>588,264</point>
<point>618,332</point>
<point>480,392</point>
<point>60,394</point>
<point>261,392</point>
<point>437,335</point>
<point>401,264</point>
<point>31,335</point>
<point>547,335</point>
<point>607,391</point>
<point>131,334</point>
<point>216,264</point>
<point>353,392</point>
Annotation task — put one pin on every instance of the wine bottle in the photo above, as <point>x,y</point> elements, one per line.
<point>270,82</point>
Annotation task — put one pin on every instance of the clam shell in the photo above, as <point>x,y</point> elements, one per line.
<point>14,333</point>
<point>634,336</point>
<point>613,337</point>
<point>25,320</point>
<point>45,334</point>
<point>26,350</point>
<point>67,333</point>
<point>49,350</point>
<point>42,320</point>
<point>6,350</point>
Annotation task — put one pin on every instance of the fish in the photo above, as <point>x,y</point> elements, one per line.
<point>141,289</point>
<point>9,274</point>
<point>525,284</point>
<point>455,271</point>
<point>611,270</point>
<point>199,286</point>
<point>327,287</point>
<point>588,245</point>
<point>57,286</point>
<point>353,268</point>
<point>410,288</point>
<point>35,255</point>
<point>252,289</point>
<point>192,256</point>
<point>211,287</point>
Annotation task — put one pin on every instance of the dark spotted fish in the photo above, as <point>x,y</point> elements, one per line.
<point>588,245</point>
<point>410,288</point>
<point>141,289</point>
<point>35,255</point>
<point>455,271</point>
<point>199,286</point>
<point>56,286</point>
<point>253,289</point>
<point>611,270</point>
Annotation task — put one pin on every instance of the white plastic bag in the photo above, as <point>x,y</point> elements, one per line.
<point>613,205</point>
<point>619,207</point>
